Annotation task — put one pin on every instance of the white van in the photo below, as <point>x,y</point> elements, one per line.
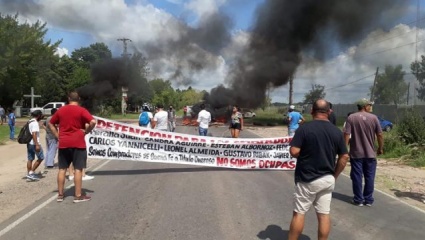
<point>47,109</point>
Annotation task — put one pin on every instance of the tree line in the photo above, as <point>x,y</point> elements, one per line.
<point>28,60</point>
<point>390,86</point>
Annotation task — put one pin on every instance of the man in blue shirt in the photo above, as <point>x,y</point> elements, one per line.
<point>11,122</point>
<point>295,119</point>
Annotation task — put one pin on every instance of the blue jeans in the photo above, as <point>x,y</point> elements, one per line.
<point>32,153</point>
<point>203,131</point>
<point>363,167</point>
<point>12,131</point>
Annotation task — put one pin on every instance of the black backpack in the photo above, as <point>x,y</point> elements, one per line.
<point>25,135</point>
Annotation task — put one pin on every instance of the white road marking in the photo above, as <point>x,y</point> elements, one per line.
<point>394,197</point>
<point>36,209</point>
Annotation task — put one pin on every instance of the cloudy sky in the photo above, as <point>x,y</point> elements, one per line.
<point>169,33</point>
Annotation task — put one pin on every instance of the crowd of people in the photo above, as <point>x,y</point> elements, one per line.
<point>322,150</point>
<point>315,145</point>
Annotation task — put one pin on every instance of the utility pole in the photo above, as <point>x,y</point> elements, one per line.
<point>408,94</point>
<point>291,89</point>
<point>124,89</point>
<point>374,84</point>
<point>418,9</point>
<point>124,41</point>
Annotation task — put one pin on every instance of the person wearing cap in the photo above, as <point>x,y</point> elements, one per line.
<point>34,146</point>
<point>364,128</point>
<point>146,109</point>
<point>160,119</point>
<point>295,119</point>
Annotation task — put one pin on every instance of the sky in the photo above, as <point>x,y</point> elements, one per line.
<point>159,29</point>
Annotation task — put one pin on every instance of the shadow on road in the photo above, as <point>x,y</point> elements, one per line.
<point>171,170</point>
<point>342,197</point>
<point>274,232</point>
<point>412,195</point>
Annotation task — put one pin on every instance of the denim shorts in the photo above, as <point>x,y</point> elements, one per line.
<point>31,153</point>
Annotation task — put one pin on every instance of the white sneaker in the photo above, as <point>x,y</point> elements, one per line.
<point>70,178</point>
<point>87,177</point>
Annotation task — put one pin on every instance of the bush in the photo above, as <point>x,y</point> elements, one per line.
<point>105,111</point>
<point>394,146</point>
<point>411,128</point>
<point>417,158</point>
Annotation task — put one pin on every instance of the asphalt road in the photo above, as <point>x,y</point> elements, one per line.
<point>136,200</point>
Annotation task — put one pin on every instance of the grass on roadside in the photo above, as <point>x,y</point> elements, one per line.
<point>126,116</point>
<point>4,133</point>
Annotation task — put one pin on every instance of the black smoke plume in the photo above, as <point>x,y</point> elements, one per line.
<point>109,76</point>
<point>285,30</point>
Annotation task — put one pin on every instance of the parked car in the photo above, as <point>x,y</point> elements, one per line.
<point>385,124</point>
<point>47,109</point>
<point>248,114</point>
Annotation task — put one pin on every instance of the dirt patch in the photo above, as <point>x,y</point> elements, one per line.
<point>16,192</point>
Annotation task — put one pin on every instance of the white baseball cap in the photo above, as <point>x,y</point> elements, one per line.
<point>292,107</point>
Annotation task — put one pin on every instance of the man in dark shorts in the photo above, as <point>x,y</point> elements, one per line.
<point>315,145</point>
<point>75,122</point>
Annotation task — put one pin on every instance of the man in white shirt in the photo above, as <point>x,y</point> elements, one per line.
<point>204,119</point>
<point>160,119</point>
<point>34,146</point>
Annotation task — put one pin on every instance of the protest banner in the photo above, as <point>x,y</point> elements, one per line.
<point>121,141</point>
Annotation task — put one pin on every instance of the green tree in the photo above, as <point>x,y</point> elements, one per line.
<point>159,85</point>
<point>191,96</point>
<point>26,59</point>
<point>317,91</point>
<point>418,69</point>
<point>390,87</point>
<point>96,52</point>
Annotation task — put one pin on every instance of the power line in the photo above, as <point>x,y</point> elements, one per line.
<point>389,49</point>
<point>386,39</point>
<point>416,21</point>
<point>346,84</point>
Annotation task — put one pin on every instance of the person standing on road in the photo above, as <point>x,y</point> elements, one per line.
<point>295,119</point>
<point>51,143</point>
<point>332,117</point>
<point>363,127</point>
<point>236,124</point>
<point>11,121</point>
<point>204,119</point>
<point>2,115</point>
<point>171,119</point>
<point>75,122</point>
<point>184,111</point>
<point>315,146</point>
<point>149,115</point>
<point>160,119</point>
<point>34,146</point>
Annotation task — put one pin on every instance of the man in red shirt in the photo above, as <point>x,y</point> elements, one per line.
<point>75,122</point>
